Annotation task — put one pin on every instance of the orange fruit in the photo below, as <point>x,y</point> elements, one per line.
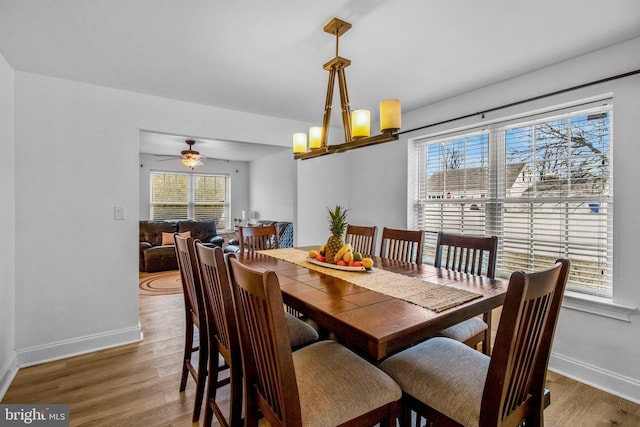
<point>357,264</point>
<point>348,256</point>
<point>367,262</point>
<point>313,253</point>
<point>342,263</point>
<point>320,258</point>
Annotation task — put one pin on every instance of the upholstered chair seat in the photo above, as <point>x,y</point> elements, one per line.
<point>453,376</point>
<point>465,330</point>
<point>336,386</point>
<point>300,332</point>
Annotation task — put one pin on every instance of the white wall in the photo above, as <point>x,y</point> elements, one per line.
<point>594,349</point>
<point>76,267</point>
<point>323,183</point>
<point>8,363</point>
<point>238,173</point>
<point>273,186</point>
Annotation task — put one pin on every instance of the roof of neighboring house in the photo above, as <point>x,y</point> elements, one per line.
<point>560,187</point>
<point>471,180</point>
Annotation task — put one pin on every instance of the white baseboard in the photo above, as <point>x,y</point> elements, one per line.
<point>610,382</point>
<point>80,345</point>
<point>7,373</point>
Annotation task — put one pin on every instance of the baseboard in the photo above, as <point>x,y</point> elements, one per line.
<point>81,345</point>
<point>610,382</point>
<point>7,373</point>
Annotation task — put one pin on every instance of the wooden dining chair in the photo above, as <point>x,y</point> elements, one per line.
<point>223,336</point>
<point>449,383</point>
<point>362,238</point>
<point>195,323</point>
<point>321,384</point>
<point>474,255</point>
<point>258,238</point>
<point>402,245</point>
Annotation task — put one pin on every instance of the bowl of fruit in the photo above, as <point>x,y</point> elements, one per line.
<point>345,259</point>
<point>336,253</point>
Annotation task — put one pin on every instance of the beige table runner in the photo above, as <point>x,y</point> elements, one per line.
<point>429,295</point>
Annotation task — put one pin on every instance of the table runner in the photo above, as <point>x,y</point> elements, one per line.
<point>426,294</point>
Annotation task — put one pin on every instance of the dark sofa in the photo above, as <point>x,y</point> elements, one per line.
<point>154,256</point>
<point>283,228</point>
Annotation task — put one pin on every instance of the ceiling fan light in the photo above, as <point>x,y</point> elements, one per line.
<point>190,159</point>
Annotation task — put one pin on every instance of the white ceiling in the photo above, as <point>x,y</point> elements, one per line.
<point>266,57</point>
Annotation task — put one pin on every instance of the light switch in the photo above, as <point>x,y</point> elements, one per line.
<point>118,212</point>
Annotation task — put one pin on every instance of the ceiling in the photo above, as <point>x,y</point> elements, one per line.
<point>266,57</point>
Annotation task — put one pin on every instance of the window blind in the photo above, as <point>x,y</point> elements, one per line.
<point>542,184</point>
<point>179,196</point>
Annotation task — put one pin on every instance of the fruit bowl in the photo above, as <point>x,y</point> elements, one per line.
<point>360,269</point>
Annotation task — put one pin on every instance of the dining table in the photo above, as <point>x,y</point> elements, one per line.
<point>383,310</point>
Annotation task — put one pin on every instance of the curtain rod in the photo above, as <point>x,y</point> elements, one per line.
<point>523,101</point>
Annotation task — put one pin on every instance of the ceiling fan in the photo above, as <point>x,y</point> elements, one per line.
<point>191,158</point>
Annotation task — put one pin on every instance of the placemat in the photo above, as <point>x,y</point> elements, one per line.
<point>426,294</point>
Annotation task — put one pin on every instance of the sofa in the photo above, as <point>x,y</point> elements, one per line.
<point>157,251</point>
<point>283,228</point>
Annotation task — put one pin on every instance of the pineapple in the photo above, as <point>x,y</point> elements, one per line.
<point>337,226</point>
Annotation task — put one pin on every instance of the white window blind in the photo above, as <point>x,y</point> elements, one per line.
<point>542,184</point>
<point>176,196</point>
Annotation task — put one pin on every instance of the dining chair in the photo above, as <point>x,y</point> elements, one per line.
<point>449,383</point>
<point>195,322</point>
<point>223,336</point>
<point>402,245</point>
<point>323,383</point>
<point>474,255</point>
<point>362,238</point>
<point>258,238</point>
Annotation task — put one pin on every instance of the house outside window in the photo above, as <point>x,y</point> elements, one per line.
<point>181,196</point>
<point>542,184</point>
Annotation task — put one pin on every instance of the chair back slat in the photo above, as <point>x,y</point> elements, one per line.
<point>258,238</point>
<point>362,238</point>
<point>266,351</point>
<point>402,245</point>
<point>467,254</point>
<point>517,370</point>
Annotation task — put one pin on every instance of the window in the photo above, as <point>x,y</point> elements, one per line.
<point>542,184</point>
<point>176,196</point>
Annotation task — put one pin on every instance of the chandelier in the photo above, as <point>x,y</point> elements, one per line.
<point>356,124</point>
<point>190,158</point>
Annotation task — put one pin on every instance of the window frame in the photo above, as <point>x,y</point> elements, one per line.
<point>221,224</point>
<point>496,130</point>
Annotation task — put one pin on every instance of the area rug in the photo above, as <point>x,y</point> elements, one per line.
<point>160,283</point>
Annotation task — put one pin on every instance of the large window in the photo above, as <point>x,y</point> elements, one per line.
<point>176,196</point>
<point>542,184</point>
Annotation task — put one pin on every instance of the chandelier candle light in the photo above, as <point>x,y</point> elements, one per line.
<point>357,123</point>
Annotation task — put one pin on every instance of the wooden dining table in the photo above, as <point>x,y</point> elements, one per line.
<point>371,323</point>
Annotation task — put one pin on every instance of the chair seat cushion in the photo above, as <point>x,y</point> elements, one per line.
<point>444,374</point>
<point>335,385</point>
<point>300,332</point>
<point>465,330</point>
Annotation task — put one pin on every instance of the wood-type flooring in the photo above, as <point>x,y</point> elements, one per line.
<point>137,384</point>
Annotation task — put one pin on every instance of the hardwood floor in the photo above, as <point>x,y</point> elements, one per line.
<point>137,384</point>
